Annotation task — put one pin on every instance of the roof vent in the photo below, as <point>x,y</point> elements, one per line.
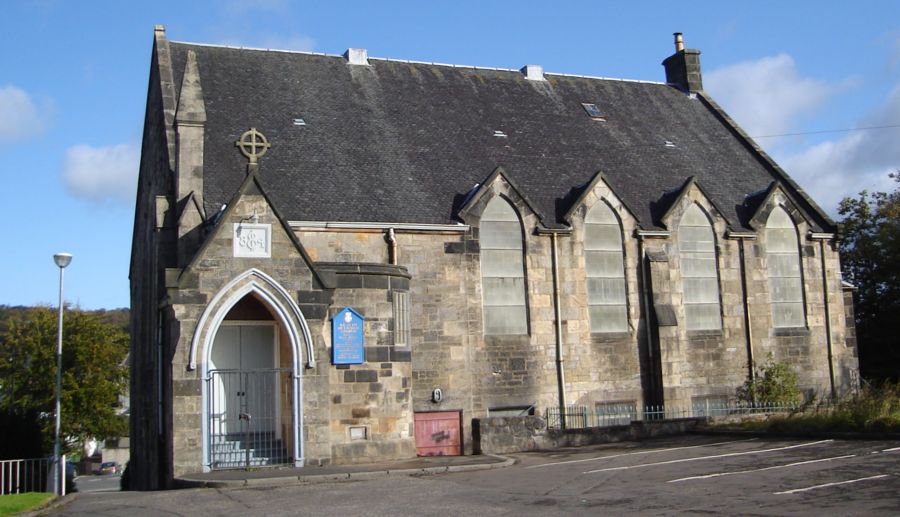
<point>670,144</point>
<point>499,134</point>
<point>299,122</point>
<point>357,56</point>
<point>533,72</point>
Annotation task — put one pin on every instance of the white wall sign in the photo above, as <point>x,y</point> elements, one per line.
<point>252,240</point>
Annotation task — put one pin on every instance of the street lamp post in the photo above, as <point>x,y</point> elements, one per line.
<point>62,260</point>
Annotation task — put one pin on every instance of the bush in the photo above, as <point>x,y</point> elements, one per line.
<point>871,410</point>
<point>773,383</point>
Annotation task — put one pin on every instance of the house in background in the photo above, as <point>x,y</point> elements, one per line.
<point>343,259</point>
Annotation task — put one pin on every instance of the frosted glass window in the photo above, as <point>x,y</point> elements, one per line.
<point>699,274</point>
<point>785,281</point>
<point>502,270</point>
<point>605,271</point>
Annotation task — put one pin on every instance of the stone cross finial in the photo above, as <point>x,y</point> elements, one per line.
<point>253,144</point>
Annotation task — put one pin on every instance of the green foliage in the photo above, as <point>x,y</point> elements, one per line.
<point>871,410</point>
<point>12,504</point>
<point>94,373</point>
<point>772,383</point>
<point>870,256</point>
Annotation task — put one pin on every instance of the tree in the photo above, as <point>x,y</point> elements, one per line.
<point>870,256</point>
<point>94,375</point>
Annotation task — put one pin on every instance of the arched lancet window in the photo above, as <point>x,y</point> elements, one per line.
<point>783,258</point>
<point>502,270</point>
<point>699,274</point>
<point>604,265</point>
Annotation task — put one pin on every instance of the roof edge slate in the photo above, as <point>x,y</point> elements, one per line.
<point>418,62</point>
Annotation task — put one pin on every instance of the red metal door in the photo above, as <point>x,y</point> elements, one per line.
<point>437,434</point>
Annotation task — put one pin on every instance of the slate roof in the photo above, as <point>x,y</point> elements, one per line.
<point>405,142</point>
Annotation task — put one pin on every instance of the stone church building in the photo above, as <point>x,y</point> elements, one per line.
<point>343,259</point>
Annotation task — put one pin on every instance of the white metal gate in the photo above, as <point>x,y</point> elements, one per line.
<point>244,419</point>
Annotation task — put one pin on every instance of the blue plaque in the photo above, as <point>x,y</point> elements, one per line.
<point>347,342</point>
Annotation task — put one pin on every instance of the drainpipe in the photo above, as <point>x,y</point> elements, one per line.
<point>392,247</point>
<point>560,370</point>
<point>748,331</point>
<point>821,238</point>
<point>645,297</point>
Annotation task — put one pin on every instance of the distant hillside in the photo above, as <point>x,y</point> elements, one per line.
<point>116,317</point>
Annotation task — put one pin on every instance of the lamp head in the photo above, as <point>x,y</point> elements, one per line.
<point>62,259</point>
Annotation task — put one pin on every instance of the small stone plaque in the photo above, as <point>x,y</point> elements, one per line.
<point>252,240</point>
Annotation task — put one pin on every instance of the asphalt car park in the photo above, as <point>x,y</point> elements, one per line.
<point>684,475</point>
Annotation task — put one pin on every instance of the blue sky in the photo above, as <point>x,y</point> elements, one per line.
<point>74,82</point>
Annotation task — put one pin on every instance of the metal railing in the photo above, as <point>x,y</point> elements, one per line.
<point>607,415</point>
<point>26,475</point>
<point>245,418</point>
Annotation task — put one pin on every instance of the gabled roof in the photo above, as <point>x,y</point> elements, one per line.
<point>480,190</point>
<point>403,142</point>
<point>251,186</point>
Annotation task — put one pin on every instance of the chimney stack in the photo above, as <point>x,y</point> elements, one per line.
<point>683,67</point>
<point>357,56</point>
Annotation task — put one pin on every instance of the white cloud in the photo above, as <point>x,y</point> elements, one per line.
<point>20,117</point>
<point>104,174</point>
<point>859,160</point>
<point>766,96</point>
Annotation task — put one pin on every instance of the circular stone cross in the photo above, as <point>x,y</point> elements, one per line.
<point>253,144</point>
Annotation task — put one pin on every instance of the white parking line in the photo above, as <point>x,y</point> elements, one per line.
<point>719,474</point>
<point>796,490</point>
<point>698,458</point>
<point>638,452</point>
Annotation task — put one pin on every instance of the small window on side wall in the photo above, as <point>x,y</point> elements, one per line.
<point>402,332</point>
<point>605,270</point>
<point>699,272</point>
<point>785,277</point>
<point>502,270</point>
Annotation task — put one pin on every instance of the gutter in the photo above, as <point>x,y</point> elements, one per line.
<point>362,225</point>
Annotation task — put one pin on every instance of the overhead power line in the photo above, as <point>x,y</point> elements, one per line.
<point>823,131</point>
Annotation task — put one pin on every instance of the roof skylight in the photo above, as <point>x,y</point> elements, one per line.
<point>593,111</point>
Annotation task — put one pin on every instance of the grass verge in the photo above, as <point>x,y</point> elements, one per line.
<point>871,410</point>
<point>11,504</point>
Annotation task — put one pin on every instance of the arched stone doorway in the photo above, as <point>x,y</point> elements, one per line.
<point>250,342</point>
<point>249,390</point>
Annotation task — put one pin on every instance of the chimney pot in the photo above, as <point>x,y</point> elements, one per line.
<point>357,56</point>
<point>679,42</point>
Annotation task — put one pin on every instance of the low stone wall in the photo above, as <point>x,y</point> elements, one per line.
<point>502,435</point>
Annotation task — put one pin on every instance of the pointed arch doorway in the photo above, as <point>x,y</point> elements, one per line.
<point>249,390</point>
<point>250,324</point>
